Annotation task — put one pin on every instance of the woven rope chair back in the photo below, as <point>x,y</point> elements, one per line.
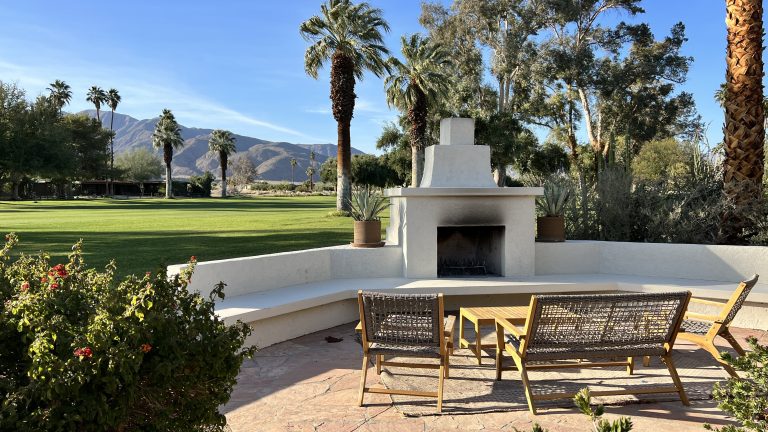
<point>748,285</point>
<point>605,321</point>
<point>402,319</point>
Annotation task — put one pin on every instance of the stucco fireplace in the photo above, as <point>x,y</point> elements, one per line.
<point>458,223</point>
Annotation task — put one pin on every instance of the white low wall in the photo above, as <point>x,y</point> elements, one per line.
<point>265,272</point>
<point>289,294</point>
<point>684,261</point>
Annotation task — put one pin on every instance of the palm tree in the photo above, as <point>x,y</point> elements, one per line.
<point>415,85</point>
<point>167,136</point>
<point>223,143</point>
<point>744,114</point>
<point>310,173</point>
<point>61,93</point>
<point>97,97</point>
<point>113,100</point>
<point>349,36</point>
<point>294,162</point>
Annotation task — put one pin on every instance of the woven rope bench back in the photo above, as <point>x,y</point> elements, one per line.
<point>626,324</point>
<point>402,319</point>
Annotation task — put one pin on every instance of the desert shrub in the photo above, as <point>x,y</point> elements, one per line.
<point>746,399</point>
<point>272,187</point>
<point>661,159</point>
<point>84,352</point>
<point>202,184</point>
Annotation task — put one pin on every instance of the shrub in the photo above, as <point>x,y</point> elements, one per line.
<point>202,184</point>
<point>84,352</point>
<point>746,399</point>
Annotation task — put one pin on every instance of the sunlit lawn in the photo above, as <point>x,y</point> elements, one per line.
<point>142,234</point>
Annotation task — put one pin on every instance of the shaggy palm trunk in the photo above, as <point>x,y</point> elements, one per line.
<point>112,155</point>
<point>223,158</point>
<point>501,174</point>
<point>343,106</point>
<point>744,127</point>
<point>417,116</point>
<point>168,158</point>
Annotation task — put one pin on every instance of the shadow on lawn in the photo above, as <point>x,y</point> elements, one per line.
<point>140,251</point>
<point>212,204</point>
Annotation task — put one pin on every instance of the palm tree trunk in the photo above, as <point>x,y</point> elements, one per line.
<point>417,116</point>
<point>343,168</point>
<point>744,116</point>
<point>501,174</point>
<point>168,181</point>
<point>343,106</point>
<point>223,175</point>
<point>112,155</point>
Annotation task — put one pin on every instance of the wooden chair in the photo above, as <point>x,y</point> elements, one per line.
<point>403,325</point>
<point>702,329</point>
<point>566,329</point>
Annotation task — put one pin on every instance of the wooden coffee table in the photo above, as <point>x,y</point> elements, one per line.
<point>486,316</point>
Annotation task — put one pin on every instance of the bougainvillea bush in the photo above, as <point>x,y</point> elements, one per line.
<point>81,351</point>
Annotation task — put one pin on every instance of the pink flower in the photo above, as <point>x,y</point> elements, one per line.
<point>193,258</point>
<point>25,286</point>
<point>145,348</point>
<point>54,286</point>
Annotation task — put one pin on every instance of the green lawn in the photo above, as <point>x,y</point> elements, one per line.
<point>141,234</point>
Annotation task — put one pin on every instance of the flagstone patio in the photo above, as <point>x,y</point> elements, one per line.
<point>309,384</point>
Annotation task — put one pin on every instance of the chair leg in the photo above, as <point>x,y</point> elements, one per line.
<point>379,358</point>
<point>363,374</point>
<point>732,340</point>
<point>499,350</point>
<point>526,384</point>
<point>447,366</point>
<point>630,365</point>
<point>712,349</point>
<point>647,361</point>
<point>441,378</point>
<point>675,378</point>
<point>461,332</point>
<point>478,345</point>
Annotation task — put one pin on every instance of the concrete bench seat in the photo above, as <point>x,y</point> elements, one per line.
<point>284,300</point>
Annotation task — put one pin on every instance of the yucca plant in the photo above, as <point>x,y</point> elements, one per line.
<point>557,192</point>
<point>366,204</point>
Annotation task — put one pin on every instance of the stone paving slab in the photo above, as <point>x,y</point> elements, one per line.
<point>308,384</point>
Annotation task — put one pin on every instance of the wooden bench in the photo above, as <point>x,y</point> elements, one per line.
<point>566,329</point>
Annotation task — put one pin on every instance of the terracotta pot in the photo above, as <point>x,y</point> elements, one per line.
<point>367,234</point>
<point>550,229</point>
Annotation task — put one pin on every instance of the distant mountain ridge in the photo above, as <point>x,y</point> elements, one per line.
<point>272,159</point>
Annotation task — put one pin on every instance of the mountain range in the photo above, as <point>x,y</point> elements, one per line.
<point>271,159</point>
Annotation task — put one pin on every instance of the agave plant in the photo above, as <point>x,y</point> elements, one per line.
<point>366,204</point>
<point>557,192</point>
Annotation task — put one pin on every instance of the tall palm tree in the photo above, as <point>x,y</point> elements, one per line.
<point>223,143</point>
<point>294,162</point>
<point>61,93</point>
<point>415,85</point>
<point>98,97</point>
<point>113,100</point>
<point>349,36</point>
<point>167,136</point>
<point>744,114</point>
<point>310,174</point>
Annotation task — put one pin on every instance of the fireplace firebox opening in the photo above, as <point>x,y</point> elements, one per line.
<point>464,251</point>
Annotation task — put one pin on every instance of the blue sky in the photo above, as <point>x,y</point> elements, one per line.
<point>239,64</point>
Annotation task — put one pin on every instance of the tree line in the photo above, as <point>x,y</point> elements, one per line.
<point>598,93</point>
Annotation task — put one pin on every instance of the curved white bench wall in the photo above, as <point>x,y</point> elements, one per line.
<point>289,294</point>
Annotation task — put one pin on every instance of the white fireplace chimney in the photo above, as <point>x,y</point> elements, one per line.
<point>457,161</point>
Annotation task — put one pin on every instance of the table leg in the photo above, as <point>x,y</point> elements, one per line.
<point>461,331</point>
<point>478,345</point>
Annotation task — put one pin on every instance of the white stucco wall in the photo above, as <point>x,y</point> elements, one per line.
<point>683,261</point>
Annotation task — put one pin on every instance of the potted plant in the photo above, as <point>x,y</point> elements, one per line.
<point>551,226</point>
<point>365,207</point>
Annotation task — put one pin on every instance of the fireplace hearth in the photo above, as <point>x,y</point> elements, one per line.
<point>470,251</point>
